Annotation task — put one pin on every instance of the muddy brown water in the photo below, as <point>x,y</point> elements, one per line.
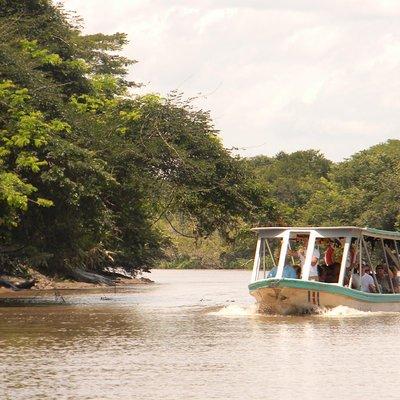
<point>192,335</point>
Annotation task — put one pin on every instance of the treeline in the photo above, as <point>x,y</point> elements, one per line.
<point>93,176</point>
<point>306,189</point>
<point>363,190</point>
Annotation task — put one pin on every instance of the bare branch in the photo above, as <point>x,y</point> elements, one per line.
<point>178,232</point>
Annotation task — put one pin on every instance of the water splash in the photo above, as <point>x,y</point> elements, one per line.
<point>234,310</point>
<point>344,311</point>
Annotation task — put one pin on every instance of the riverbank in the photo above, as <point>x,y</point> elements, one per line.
<point>43,283</point>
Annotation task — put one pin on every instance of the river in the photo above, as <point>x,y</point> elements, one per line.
<point>192,335</point>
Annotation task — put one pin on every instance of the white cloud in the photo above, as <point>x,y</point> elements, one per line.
<point>285,75</point>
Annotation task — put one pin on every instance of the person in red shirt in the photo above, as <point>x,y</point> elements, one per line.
<point>329,256</point>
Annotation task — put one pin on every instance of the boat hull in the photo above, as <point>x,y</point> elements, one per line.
<point>295,296</point>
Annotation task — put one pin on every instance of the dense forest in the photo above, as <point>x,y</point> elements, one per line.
<point>93,175</point>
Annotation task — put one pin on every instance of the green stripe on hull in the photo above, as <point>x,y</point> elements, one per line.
<point>325,287</point>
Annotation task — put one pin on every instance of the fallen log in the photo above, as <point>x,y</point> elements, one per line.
<point>90,277</point>
<point>26,284</point>
<point>117,273</point>
<point>7,284</point>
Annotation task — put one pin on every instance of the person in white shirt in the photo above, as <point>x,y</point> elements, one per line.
<point>367,281</point>
<point>301,253</point>
<point>314,265</point>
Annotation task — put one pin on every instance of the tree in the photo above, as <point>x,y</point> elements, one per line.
<point>363,191</point>
<point>292,179</point>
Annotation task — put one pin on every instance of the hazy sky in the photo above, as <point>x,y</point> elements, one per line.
<point>276,75</point>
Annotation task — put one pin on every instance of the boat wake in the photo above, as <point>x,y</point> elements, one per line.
<point>233,310</point>
<point>344,311</point>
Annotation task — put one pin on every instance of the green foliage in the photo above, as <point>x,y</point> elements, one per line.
<point>25,131</point>
<point>369,184</point>
<point>15,193</point>
<point>44,57</point>
<point>363,190</point>
<point>291,179</point>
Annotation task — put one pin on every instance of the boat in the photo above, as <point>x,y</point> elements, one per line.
<point>284,278</point>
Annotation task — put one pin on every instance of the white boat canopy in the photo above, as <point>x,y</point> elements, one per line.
<point>326,232</point>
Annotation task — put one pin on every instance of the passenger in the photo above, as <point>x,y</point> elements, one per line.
<point>301,253</point>
<point>298,271</point>
<point>367,282</point>
<point>314,269</point>
<point>383,278</point>
<point>322,273</point>
<point>329,256</point>
<point>355,280</point>
<point>288,272</point>
<point>333,273</point>
<point>395,279</point>
<point>314,261</point>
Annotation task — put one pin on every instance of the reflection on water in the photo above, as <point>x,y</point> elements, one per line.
<point>193,335</point>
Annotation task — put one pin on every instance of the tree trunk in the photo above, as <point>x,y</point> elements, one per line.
<point>90,277</point>
<point>7,284</point>
<point>117,273</point>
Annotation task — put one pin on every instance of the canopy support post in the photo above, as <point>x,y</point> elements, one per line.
<point>263,257</point>
<point>270,252</point>
<point>291,254</point>
<point>357,246</point>
<point>282,255</point>
<point>387,266</point>
<point>370,264</point>
<point>309,254</point>
<point>344,260</point>
<point>256,264</point>
<point>397,254</point>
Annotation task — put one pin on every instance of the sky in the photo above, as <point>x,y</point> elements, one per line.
<point>276,76</point>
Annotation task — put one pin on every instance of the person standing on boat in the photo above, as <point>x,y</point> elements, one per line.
<point>314,266</point>
<point>329,256</point>
<point>301,253</point>
<point>367,281</point>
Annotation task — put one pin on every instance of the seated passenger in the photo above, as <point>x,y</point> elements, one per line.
<point>288,272</point>
<point>298,271</point>
<point>383,278</point>
<point>367,282</point>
